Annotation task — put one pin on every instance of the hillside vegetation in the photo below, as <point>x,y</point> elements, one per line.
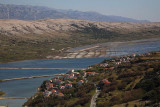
<point>134,83</point>
<point>20,40</point>
<point>129,82</point>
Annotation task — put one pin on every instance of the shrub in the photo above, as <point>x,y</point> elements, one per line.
<point>153,95</point>
<point>132,95</point>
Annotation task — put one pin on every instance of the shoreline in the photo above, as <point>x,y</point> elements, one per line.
<point>78,53</point>
<point>126,59</point>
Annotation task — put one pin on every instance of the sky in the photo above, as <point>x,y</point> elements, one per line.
<point>137,9</point>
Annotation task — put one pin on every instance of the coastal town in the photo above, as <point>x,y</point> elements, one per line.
<point>56,84</point>
<point>99,76</point>
<point>79,53</point>
<point>119,81</point>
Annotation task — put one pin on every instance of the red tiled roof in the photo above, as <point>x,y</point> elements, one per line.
<point>60,94</point>
<point>68,84</point>
<point>69,81</point>
<point>53,90</point>
<point>106,81</point>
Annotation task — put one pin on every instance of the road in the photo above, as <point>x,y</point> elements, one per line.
<point>94,98</point>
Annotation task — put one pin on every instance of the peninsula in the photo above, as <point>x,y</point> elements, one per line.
<point>131,80</point>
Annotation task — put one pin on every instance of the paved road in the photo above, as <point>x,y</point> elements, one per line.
<point>94,98</point>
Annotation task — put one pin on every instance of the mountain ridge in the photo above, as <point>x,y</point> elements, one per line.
<point>27,12</point>
<point>20,27</point>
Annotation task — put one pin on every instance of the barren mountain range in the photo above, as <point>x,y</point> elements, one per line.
<point>47,26</point>
<point>26,12</point>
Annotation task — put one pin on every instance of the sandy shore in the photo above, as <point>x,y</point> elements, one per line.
<point>101,50</point>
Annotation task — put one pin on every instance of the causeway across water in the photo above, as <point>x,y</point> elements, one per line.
<point>48,68</point>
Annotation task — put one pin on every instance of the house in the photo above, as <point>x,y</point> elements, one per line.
<point>60,94</point>
<point>72,74</point>
<point>75,78</point>
<point>133,54</point>
<point>49,85</point>
<point>47,93</point>
<point>68,85</point>
<point>117,63</point>
<point>62,87</point>
<point>77,74</point>
<point>80,82</point>
<point>69,77</point>
<point>57,81</point>
<point>84,73</point>
<point>68,82</point>
<point>105,81</point>
<point>91,73</point>
<point>104,65</point>
<point>38,89</point>
<point>51,81</point>
<point>53,91</point>
<point>72,71</point>
<point>111,68</point>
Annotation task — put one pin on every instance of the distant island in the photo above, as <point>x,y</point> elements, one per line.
<point>124,81</point>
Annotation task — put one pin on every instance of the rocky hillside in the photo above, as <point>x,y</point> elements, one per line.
<point>48,38</point>
<point>19,27</point>
<point>25,12</point>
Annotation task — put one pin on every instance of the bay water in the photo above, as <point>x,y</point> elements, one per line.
<point>27,87</point>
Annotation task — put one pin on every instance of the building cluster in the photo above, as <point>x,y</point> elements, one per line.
<point>56,84</point>
<point>117,61</point>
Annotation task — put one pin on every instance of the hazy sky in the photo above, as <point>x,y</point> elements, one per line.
<point>137,9</point>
